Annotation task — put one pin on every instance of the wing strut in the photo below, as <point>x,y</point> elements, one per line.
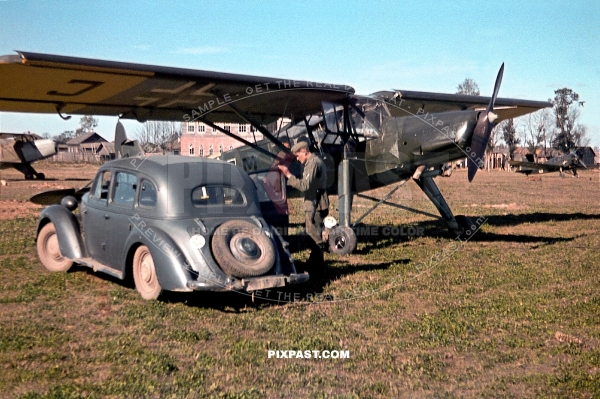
<point>238,138</point>
<point>259,127</point>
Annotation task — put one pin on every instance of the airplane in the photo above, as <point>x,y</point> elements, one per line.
<point>20,150</point>
<point>367,141</point>
<point>568,162</point>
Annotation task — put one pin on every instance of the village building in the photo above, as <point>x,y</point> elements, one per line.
<point>87,142</point>
<point>87,147</point>
<point>200,140</point>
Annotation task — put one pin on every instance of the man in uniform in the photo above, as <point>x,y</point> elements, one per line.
<point>316,204</point>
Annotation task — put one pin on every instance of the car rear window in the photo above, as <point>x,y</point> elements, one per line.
<point>217,195</point>
<point>147,194</point>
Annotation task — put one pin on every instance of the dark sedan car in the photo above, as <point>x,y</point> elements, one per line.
<point>173,223</point>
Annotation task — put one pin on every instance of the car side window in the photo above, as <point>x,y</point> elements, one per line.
<point>125,186</point>
<point>101,185</point>
<point>217,195</point>
<point>147,194</point>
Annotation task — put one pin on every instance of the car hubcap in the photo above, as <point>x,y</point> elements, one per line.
<point>245,248</point>
<point>146,270</point>
<point>53,247</point>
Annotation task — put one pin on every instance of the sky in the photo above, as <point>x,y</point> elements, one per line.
<point>369,45</point>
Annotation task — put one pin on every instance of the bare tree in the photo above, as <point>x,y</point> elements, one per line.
<point>508,128</point>
<point>570,134</point>
<point>158,136</point>
<point>468,87</point>
<point>538,130</point>
<point>87,123</point>
<point>64,136</point>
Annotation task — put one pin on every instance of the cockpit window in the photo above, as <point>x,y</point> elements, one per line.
<point>334,116</point>
<point>217,195</point>
<point>375,113</point>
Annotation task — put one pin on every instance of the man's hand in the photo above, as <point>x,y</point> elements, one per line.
<point>284,169</point>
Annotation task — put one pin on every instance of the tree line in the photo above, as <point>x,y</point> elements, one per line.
<point>557,128</point>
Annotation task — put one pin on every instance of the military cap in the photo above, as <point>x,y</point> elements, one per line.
<point>299,145</point>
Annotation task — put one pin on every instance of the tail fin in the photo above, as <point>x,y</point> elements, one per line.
<point>125,148</point>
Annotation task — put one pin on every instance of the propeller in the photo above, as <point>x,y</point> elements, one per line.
<point>483,130</point>
<point>55,196</point>
<point>577,161</point>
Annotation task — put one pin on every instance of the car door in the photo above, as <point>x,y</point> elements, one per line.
<point>94,216</point>
<point>120,217</point>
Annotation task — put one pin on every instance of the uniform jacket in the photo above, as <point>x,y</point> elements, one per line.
<point>313,184</point>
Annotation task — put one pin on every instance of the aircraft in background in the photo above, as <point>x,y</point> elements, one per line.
<point>564,163</point>
<point>385,138</point>
<point>20,150</point>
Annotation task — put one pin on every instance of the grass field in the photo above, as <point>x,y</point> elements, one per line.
<point>513,312</point>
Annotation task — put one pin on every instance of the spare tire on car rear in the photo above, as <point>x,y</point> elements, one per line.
<point>242,249</point>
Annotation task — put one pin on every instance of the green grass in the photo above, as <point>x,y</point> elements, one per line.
<point>478,323</point>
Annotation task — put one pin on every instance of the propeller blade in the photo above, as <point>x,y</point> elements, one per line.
<point>51,197</point>
<point>54,196</point>
<point>483,130</point>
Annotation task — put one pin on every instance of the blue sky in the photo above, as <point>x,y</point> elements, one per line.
<point>370,45</point>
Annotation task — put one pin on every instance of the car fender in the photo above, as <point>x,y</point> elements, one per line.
<point>169,260</point>
<point>68,230</point>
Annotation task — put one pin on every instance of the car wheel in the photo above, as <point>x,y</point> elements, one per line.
<point>144,274</point>
<point>242,249</point>
<point>342,240</point>
<point>49,250</point>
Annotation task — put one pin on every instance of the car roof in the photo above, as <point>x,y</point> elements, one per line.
<point>183,170</point>
<point>178,175</point>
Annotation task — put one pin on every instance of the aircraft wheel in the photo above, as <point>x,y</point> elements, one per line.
<point>144,274</point>
<point>242,249</point>
<point>465,224</point>
<point>48,250</point>
<point>28,176</point>
<point>40,176</point>
<point>342,240</point>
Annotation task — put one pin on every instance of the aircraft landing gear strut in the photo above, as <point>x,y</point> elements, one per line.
<point>457,225</point>
<point>29,172</point>
<point>342,239</point>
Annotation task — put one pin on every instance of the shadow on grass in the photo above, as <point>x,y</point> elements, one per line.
<point>236,302</point>
<point>514,220</point>
<point>305,294</point>
<point>437,229</point>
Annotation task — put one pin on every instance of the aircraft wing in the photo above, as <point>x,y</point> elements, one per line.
<point>536,166</point>
<point>404,103</point>
<point>20,136</point>
<point>42,83</point>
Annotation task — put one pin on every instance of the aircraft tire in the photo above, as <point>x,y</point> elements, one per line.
<point>40,176</point>
<point>464,224</point>
<point>242,249</point>
<point>49,251</point>
<point>144,274</point>
<point>342,240</point>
